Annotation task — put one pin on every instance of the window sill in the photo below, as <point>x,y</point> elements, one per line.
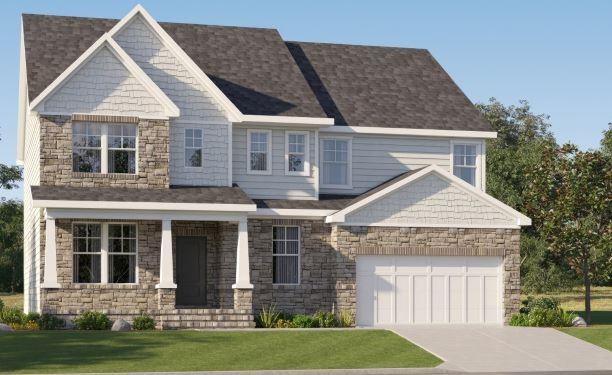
<point>343,187</point>
<point>259,173</point>
<point>288,286</point>
<point>127,286</point>
<point>114,176</point>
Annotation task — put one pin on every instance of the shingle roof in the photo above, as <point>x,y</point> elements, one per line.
<point>261,74</point>
<point>251,66</point>
<point>217,194</point>
<point>325,202</point>
<point>385,87</point>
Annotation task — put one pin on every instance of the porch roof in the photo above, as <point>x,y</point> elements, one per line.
<point>51,196</point>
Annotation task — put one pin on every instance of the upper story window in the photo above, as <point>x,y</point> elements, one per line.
<point>104,148</point>
<point>296,157</point>
<point>259,151</point>
<point>104,253</point>
<point>193,147</point>
<point>336,163</point>
<point>286,254</point>
<point>465,162</point>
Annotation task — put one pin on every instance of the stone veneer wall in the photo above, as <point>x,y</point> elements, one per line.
<point>316,290</point>
<point>353,241</point>
<point>56,156</point>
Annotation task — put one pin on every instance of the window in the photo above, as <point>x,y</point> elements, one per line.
<point>121,253</point>
<point>193,147</point>
<point>87,253</point>
<point>87,147</point>
<point>104,148</point>
<point>286,255</point>
<point>296,158</point>
<point>336,163</point>
<point>104,253</point>
<point>258,151</point>
<point>464,162</point>
<point>122,148</point>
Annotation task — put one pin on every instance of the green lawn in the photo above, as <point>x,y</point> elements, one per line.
<point>104,351</point>
<point>600,331</point>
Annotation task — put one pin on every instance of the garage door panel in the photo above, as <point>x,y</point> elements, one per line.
<point>438,299</point>
<point>384,299</point>
<point>403,298</point>
<point>428,290</point>
<point>420,299</point>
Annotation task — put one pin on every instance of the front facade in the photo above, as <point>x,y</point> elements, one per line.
<point>201,173</point>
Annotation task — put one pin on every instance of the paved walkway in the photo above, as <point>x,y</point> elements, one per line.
<point>507,349</point>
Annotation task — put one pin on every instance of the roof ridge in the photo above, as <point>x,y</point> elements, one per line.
<point>357,45</point>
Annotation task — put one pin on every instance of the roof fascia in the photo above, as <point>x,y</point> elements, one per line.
<point>413,132</point>
<point>521,220</point>
<point>106,41</point>
<point>89,214</point>
<point>292,212</point>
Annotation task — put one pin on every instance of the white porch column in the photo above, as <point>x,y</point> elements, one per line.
<point>243,280</point>
<point>50,276</point>
<point>166,269</point>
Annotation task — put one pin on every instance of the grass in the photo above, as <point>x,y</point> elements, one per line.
<point>104,351</point>
<point>11,300</point>
<point>600,331</point>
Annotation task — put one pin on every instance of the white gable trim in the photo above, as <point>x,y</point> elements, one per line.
<point>234,114</point>
<point>171,110</point>
<point>339,217</point>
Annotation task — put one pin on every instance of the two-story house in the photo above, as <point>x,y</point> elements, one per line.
<point>199,173</point>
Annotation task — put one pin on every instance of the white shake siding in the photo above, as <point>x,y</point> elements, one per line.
<point>377,159</point>
<point>31,217</point>
<point>277,185</point>
<point>104,86</point>
<point>198,108</point>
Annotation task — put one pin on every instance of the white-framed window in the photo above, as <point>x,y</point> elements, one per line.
<point>259,151</point>
<point>104,147</point>
<point>122,243</point>
<point>87,252</point>
<point>105,253</point>
<point>465,161</point>
<point>297,154</point>
<point>193,148</point>
<point>87,147</point>
<point>336,163</point>
<point>286,254</point>
<point>122,148</point>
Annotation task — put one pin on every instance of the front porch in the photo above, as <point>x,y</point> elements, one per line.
<point>186,269</point>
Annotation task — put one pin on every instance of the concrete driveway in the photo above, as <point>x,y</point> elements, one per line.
<point>507,349</point>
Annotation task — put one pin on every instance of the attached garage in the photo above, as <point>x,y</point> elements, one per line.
<point>429,290</point>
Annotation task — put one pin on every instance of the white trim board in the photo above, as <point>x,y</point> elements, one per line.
<point>146,206</point>
<point>105,41</point>
<point>97,214</point>
<point>291,212</point>
<point>339,217</point>
<point>405,131</point>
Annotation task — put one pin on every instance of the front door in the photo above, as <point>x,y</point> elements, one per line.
<point>191,271</point>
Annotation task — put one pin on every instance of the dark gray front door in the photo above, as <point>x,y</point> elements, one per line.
<point>191,271</point>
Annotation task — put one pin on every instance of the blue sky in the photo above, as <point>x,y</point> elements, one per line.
<point>555,54</point>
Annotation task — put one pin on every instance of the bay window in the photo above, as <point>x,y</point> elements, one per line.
<point>104,253</point>
<point>104,148</point>
<point>296,154</point>
<point>336,163</point>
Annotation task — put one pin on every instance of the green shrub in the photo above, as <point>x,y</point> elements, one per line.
<point>12,315</point>
<point>304,321</point>
<point>267,318</point>
<point>346,318</point>
<point>50,322</point>
<point>542,317</point>
<point>32,317</point>
<point>92,320</point>
<point>284,323</point>
<point>143,322</point>
<point>1,304</point>
<point>325,319</point>
<point>25,326</point>
<point>531,303</point>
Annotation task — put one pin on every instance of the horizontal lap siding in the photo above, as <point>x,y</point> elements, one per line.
<point>277,185</point>
<point>377,159</point>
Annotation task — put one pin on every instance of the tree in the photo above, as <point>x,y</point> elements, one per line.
<point>9,175</point>
<point>11,246</point>
<point>570,198</point>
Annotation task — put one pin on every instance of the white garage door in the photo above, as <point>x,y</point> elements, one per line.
<point>428,290</point>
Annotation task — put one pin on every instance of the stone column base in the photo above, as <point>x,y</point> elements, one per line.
<point>243,299</point>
